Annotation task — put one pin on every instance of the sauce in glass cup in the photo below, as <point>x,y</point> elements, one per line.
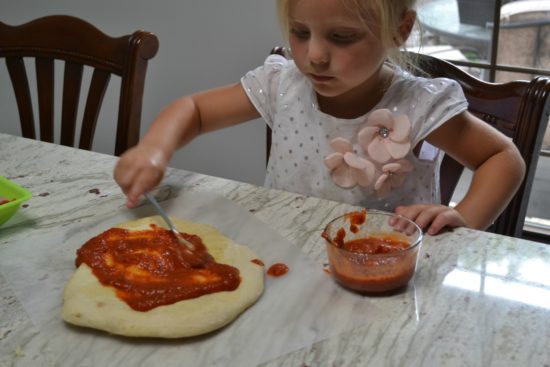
<point>366,254</point>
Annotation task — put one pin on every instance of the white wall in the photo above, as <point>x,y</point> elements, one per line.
<point>203,44</point>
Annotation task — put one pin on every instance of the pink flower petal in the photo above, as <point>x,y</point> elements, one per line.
<point>381,118</point>
<point>341,145</point>
<point>366,135</point>
<point>401,129</point>
<point>355,161</point>
<point>363,177</point>
<point>397,150</point>
<point>333,160</point>
<point>362,170</point>
<point>391,167</point>
<point>380,181</point>
<point>382,186</point>
<point>342,177</point>
<point>377,151</point>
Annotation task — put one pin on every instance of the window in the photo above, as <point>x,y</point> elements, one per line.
<point>497,41</point>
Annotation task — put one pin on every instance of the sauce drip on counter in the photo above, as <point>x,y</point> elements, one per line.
<point>277,270</point>
<point>150,268</point>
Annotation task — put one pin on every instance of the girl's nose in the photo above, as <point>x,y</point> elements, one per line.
<point>318,54</point>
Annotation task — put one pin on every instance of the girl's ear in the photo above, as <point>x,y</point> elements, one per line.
<point>405,27</point>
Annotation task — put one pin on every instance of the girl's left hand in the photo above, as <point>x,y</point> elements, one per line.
<point>431,218</point>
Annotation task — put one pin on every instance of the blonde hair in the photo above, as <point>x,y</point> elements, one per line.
<point>388,15</point>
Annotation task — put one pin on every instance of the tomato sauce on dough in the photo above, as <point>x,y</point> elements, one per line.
<point>150,268</point>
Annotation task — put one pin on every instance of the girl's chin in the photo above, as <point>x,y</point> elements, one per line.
<point>327,92</point>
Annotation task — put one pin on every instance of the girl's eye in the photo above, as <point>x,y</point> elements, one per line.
<point>343,38</point>
<point>299,33</point>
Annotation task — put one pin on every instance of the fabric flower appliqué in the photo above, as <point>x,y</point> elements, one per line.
<point>393,175</point>
<point>386,136</point>
<point>347,168</point>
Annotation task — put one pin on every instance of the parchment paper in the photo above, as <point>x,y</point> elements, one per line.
<point>295,310</point>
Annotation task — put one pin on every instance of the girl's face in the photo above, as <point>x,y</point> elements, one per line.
<point>331,46</point>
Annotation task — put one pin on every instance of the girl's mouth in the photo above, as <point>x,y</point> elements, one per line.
<point>320,78</point>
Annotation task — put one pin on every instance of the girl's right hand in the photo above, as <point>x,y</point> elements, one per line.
<point>139,170</point>
<point>142,167</point>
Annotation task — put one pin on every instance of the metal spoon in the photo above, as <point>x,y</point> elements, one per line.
<point>164,216</point>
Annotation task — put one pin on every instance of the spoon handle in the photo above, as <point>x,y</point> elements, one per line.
<point>161,211</point>
<point>164,216</point>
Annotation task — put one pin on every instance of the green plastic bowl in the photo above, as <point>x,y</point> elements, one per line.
<point>10,191</point>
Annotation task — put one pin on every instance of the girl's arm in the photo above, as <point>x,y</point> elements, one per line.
<point>498,172</point>
<point>142,167</point>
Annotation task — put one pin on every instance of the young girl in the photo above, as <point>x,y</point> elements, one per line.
<point>345,121</point>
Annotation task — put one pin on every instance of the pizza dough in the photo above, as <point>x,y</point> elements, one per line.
<point>88,303</point>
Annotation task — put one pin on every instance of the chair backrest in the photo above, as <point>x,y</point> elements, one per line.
<point>79,44</point>
<point>519,109</point>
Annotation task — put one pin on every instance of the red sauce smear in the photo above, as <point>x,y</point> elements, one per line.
<point>5,201</point>
<point>355,219</point>
<point>339,239</point>
<point>277,270</point>
<point>149,268</point>
<point>375,274</point>
<point>258,262</point>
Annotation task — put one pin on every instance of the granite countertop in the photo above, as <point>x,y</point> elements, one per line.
<point>478,299</point>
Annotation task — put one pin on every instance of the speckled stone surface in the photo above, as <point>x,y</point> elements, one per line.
<point>478,299</point>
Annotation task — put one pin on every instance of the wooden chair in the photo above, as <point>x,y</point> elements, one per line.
<point>79,44</point>
<point>519,109</point>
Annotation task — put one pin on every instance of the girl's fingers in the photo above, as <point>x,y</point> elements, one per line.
<point>131,203</point>
<point>145,181</point>
<point>426,217</point>
<point>410,212</point>
<point>439,222</point>
<point>125,171</point>
<point>137,171</point>
<point>449,218</point>
<point>430,218</point>
<point>125,176</point>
